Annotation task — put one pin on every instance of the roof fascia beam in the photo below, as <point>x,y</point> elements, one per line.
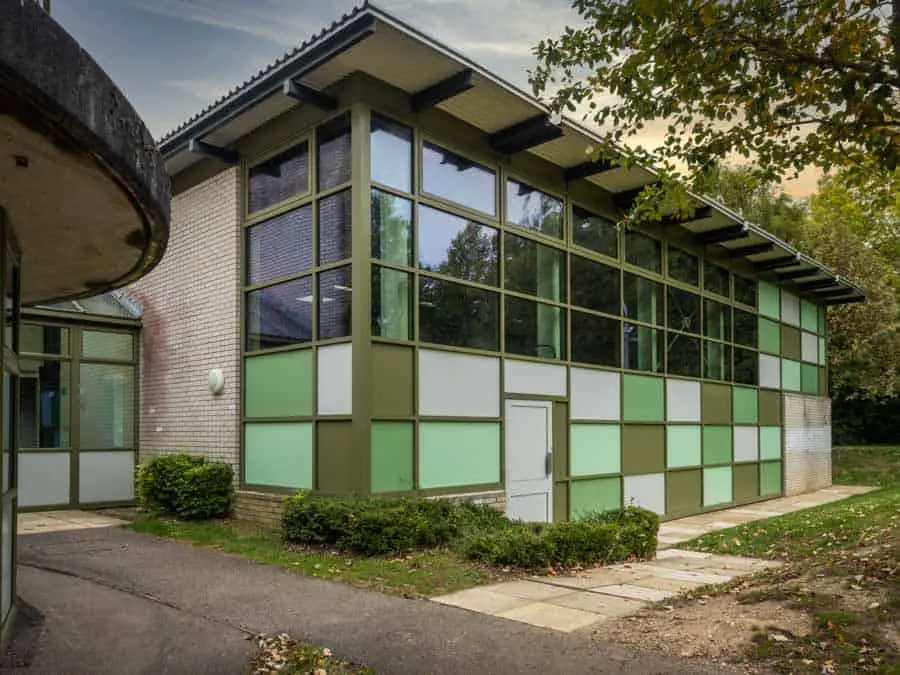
<point>816,284</point>
<point>796,274</point>
<point>777,263</point>
<point>699,213</point>
<point>753,249</point>
<point>587,169</point>
<point>303,94</point>
<point>441,91</point>
<point>523,135</point>
<point>198,147</point>
<point>723,234</point>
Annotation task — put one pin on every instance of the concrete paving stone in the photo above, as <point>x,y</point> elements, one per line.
<point>632,592</point>
<point>555,617</point>
<point>681,563</point>
<point>482,600</point>
<point>681,553</point>
<point>597,603</point>
<point>739,564</point>
<point>685,575</point>
<point>672,585</point>
<point>593,579</point>
<point>528,590</point>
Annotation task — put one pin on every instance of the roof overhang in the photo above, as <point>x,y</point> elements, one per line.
<point>373,42</point>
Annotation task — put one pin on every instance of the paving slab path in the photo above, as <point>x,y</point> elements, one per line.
<point>119,602</point>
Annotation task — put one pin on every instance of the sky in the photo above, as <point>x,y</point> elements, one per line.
<point>172,58</point>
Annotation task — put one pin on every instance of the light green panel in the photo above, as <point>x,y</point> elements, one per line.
<point>717,486</point>
<point>392,456</point>
<point>594,449</point>
<point>458,453</point>
<point>769,443</point>
<point>769,300</point>
<point>102,345</point>
<point>790,375</point>
<point>644,398</point>
<point>821,351</point>
<point>746,405</point>
<point>279,385</point>
<point>683,446</point>
<point>769,479</point>
<point>717,445</point>
<point>809,316</point>
<point>278,454</point>
<point>809,376</point>
<point>769,336</point>
<point>598,494</point>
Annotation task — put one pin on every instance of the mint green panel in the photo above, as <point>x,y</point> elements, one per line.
<point>594,449</point>
<point>809,376</point>
<point>769,479</point>
<point>278,385</point>
<point>717,445</point>
<point>458,453</point>
<point>769,336</point>
<point>746,405</point>
<point>809,316</point>
<point>683,446</point>
<point>644,398</point>
<point>769,443</point>
<point>717,485</point>
<point>598,494</point>
<point>769,300</point>
<point>821,351</point>
<point>392,456</point>
<point>790,375</point>
<point>278,454</point>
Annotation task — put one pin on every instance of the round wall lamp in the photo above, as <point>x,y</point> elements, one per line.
<point>216,381</point>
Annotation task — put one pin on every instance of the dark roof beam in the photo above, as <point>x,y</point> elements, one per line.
<point>303,94</point>
<point>441,91</point>
<point>625,199</point>
<point>723,234</point>
<point>777,263</point>
<point>527,134</point>
<point>833,291</point>
<point>587,169</point>
<point>753,249</point>
<point>796,274</point>
<point>198,147</point>
<point>816,284</point>
<point>699,214</point>
<point>843,300</point>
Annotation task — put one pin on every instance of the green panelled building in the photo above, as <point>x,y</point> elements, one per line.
<point>429,293</point>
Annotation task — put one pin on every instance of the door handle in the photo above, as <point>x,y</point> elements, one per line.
<point>548,464</point>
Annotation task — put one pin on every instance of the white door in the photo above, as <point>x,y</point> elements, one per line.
<point>529,479</point>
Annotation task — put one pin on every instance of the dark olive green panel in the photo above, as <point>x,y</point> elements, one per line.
<point>561,441</point>
<point>393,381</point>
<point>643,448</point>
<point>684,492</point>
<point>769,408</point>
<point>790,342</point>
<point>716,404</point>
<point>746,482</point>
<point>560,501</point>
<point>334,455</point>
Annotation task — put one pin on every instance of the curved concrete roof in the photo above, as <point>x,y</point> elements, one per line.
<point>83,187</point>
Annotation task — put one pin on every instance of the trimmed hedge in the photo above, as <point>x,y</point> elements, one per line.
<point>186,486</point>
<point>382,526</point>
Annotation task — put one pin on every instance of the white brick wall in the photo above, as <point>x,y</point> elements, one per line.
<point>807,443</point>
<point>191,324</point>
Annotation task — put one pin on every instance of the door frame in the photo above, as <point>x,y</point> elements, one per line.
<point>548,404</point>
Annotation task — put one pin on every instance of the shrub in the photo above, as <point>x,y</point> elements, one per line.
<point>186,486</point>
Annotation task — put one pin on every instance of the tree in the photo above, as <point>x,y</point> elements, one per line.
<point>788,83</point>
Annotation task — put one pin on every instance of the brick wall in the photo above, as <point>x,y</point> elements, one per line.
<point>191,324</point>
<point>262,508</point>
<point>807,443</point>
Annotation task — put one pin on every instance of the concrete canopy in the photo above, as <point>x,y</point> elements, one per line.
<point>83,188</point>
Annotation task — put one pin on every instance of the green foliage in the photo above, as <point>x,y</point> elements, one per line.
<point>790,84</point>
<point>186,486</point>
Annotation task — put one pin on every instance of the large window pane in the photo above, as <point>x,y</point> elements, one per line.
<point>745,328</point>
<point>683,310</point>
<point>107,406</point>
<point>644,348</point>
<point>280,246</point>
<point>391,154</point>
<point>44,409</point>
<point>457,247</point>
<point>334,228</point>
<point>458,315</point>
<point>535,329</point>
<point>596,339</point>
<point>105,345</point>
<point>391,228</point>
<point>683,356</point>
<point>280,315</point>
<point>335,295</point>
<point>391,303</point>
<point>717,361</point>
<point>595,285</point>
<point>745,291</point>
<point>333,152</point>
<point>532,209</point>
<point>534,268</point>
<point>274,180</point>
<point>642,299</point>
<point>595,232</point>
<point>460,180</point>
<point>715,279</point>
<point>718,320</point>
<point>746,366</point>
<point>643,251</point>
<point>43,339</point>
<point>683,266</point>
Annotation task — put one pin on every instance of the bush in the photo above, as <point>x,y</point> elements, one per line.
<point>186,486</point>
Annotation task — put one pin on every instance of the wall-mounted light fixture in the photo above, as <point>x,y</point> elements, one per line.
<point>216,381</point>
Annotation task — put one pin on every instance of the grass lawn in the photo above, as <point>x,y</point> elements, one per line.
<point>843,570</point>
<point>423,574</point>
